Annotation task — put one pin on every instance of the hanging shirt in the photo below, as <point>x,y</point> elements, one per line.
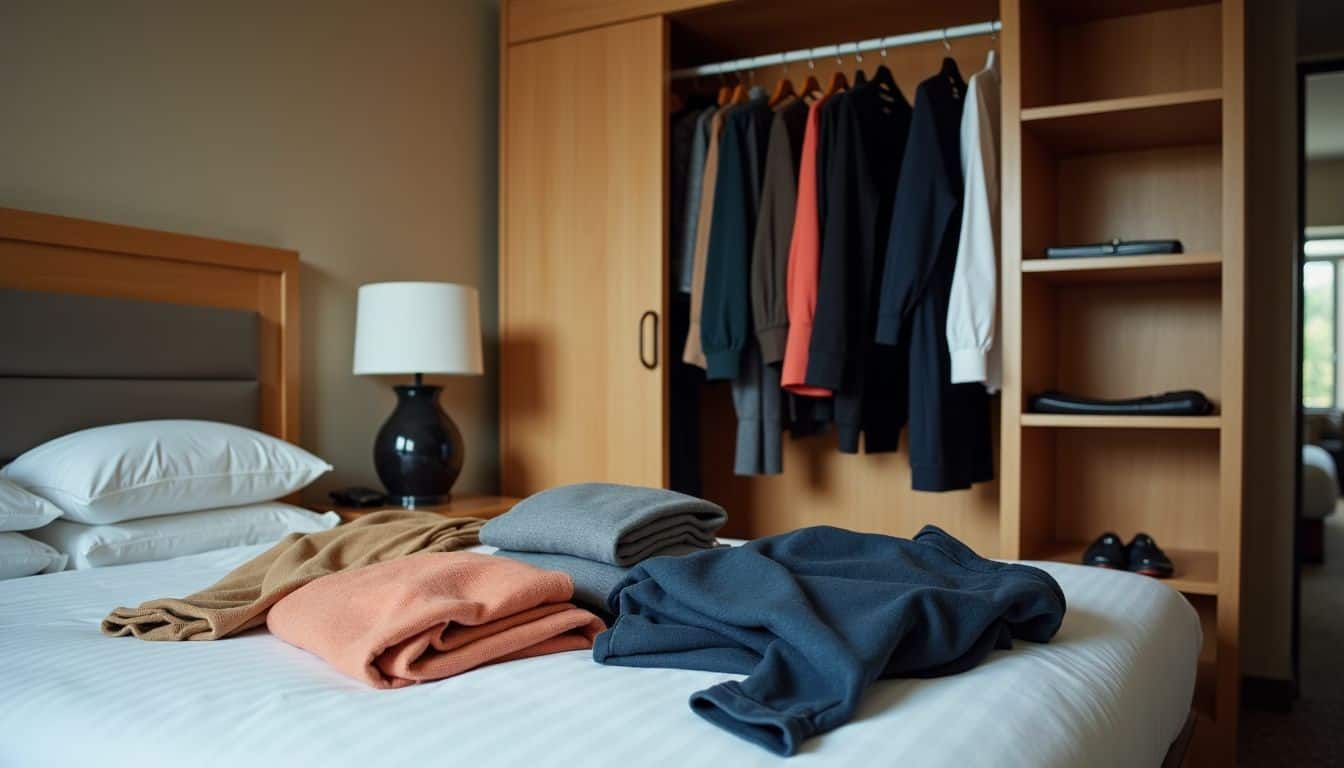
<point>774,230</point>
<point>692,354</point>
<point>949,423</point>
<point>871,122</point>
<point>804,259</point>
<point>973,304</point>
<point>689,144</point>
<point>725,312</point>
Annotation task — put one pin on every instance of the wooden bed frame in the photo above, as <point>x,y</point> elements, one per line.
<point>42,252</point>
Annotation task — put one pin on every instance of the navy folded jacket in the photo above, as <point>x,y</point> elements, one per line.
<point>814,616</point>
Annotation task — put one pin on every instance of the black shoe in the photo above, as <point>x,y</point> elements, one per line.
<point>1147,558</point>
<point>1108,551</point>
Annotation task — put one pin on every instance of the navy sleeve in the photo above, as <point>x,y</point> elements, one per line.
<point>725,313</point>
<point>920,214</point>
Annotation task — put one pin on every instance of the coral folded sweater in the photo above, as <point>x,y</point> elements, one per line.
<point>431,616</point>
<point>240,600</point>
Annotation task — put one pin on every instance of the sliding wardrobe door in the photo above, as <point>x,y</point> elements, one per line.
<point>582,259</point>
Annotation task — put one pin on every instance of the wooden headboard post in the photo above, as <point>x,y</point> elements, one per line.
<point>42,252</point>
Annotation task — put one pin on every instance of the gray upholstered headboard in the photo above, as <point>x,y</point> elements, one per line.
<point>70,361</point>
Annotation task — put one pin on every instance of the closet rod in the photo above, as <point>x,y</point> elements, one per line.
<point>841,49</point>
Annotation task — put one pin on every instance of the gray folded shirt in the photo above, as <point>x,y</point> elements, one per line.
<point>593,581</point>
<point>614,524</point>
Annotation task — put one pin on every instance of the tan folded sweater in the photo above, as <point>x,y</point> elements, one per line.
<point>241,599</point>
<point>431,616</point>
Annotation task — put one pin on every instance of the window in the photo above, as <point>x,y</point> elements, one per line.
<point>1319,372</point>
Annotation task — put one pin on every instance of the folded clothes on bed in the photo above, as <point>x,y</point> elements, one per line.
<point>431,616</point>
<point>613,524</point>
<point>593,580</point>
<point>241,599</point>
<point>814,616</point>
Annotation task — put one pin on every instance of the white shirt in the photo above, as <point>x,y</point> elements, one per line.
<point>973,307</point>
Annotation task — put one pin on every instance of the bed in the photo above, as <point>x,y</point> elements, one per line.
<point>1113,688</point>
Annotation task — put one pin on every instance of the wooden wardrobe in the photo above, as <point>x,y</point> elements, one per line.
<point>1121,118</point>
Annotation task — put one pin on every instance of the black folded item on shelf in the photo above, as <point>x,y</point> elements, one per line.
<point>1115,247</point>
<point>1185,402</point>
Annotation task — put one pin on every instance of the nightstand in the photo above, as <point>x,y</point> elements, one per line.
<point>458,506</point>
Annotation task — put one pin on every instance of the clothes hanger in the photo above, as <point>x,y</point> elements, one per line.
<point>951,71</point>
<point>859,77</point>
<point>883,78</point>
<point>783,89</point>
<point>811,88</point>
<point>739,95</point>
<point>838,80</point>
<point>725,93</point>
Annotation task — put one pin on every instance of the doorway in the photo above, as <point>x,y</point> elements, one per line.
<point>1319,544</point>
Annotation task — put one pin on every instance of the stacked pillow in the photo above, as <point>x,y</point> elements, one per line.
<point>23,511</point>
<point>152,490</point>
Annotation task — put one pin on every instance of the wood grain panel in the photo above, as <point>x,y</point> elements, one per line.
<point>1160,193</point>
<point>1124,340</point>
<point>754,27</point>
<point>1178,50</point>
<point>582,228</point>
<point>1162,482</point>
<point>1016,520</point>
<point>1179,266</point>
<point>1232,447</point>
<point>41,252</point>
<point>1135,122</point>
<point>820,486</point>
<point>532,19</point>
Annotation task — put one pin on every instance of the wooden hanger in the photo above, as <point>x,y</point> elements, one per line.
<point>724,94</point>
<point>739,95</point>
<point>811,89</point>
<point>783,90</point>
<point>838,83</point>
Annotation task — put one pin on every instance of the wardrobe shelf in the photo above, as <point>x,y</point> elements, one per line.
<point>1196,569</point>
<point>1101,269</point>
<point>1066,421</point>
<point>1137,122</point>
<point>1074,11</point>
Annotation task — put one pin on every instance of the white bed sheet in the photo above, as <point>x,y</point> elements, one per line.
<point>1114,687</point>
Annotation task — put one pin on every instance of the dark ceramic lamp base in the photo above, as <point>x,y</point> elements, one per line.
<point>418,452</point>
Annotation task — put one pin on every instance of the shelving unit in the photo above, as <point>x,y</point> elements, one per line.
<point>1136,122</point>
<point>1123,119</point>
<point>1179,266</point>
<point>1070,421</point>
<point>1196,569</point>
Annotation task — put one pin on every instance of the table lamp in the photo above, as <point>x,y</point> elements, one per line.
<point>418,328</point>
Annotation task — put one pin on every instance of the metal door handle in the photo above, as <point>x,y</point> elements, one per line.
<point>649,362</point>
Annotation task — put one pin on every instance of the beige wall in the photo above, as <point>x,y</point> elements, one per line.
<point>1271,279</point>
<point>1325,192</point>
<point>362,135</point>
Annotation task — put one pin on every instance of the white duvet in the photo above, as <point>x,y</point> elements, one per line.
<point>1113,688</point>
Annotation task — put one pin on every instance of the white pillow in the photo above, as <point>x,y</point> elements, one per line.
<point>161,538</point>
<point>21,510</point>
<point>147,468</point>
<point>21,556</point>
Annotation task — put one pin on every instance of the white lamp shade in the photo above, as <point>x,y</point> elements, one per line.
<point>418,328</point>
